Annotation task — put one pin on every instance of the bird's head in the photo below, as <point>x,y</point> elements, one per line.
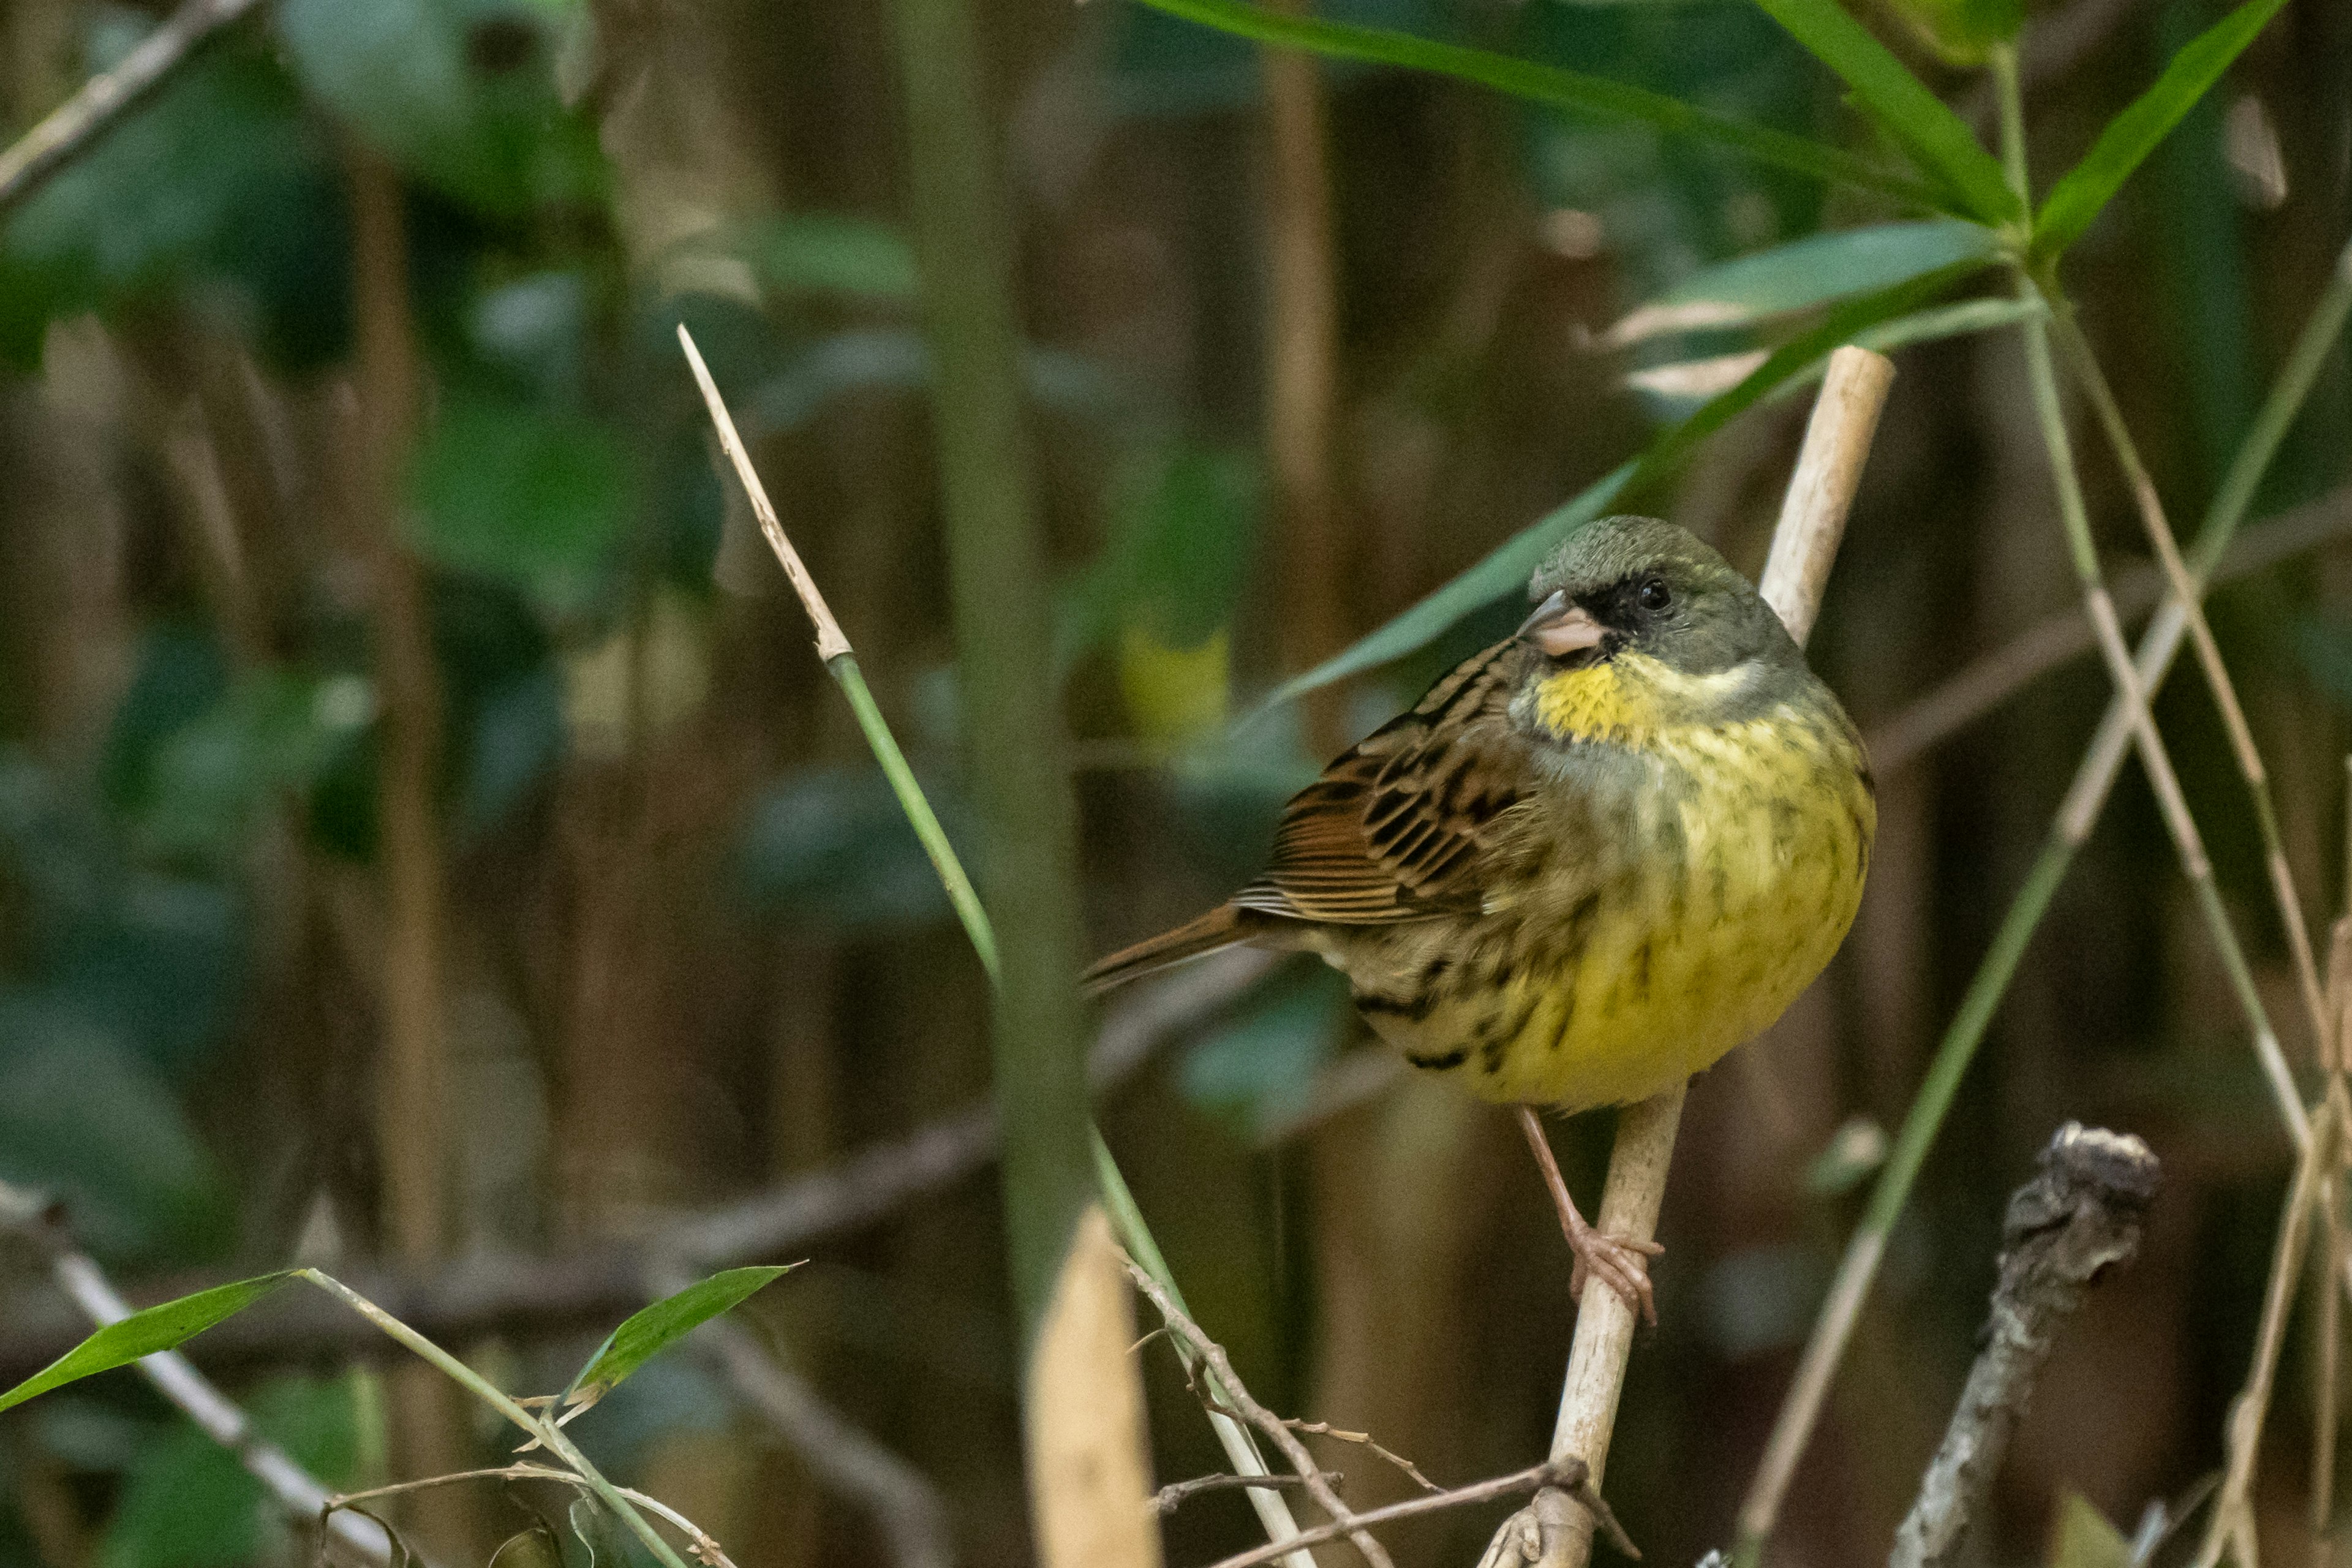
<point>1668,614</point>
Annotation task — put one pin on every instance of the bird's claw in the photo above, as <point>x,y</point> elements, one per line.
<point>1618,1260</point>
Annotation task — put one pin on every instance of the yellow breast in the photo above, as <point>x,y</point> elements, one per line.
<point>1734,875</point>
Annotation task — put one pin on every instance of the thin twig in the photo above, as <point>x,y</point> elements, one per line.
<point>545,1432</point>
<point>2155,760</point>
<point>1022,1081</point>
<point>74,126</point>
<point>294,1488</point>
<point>1567,1475</point>
<point>2078,1216</point>
<point>2229,1526</point>
<point>1364,1440</point>
<point>702,1544</point>
<point>1176,1494</point>
<point>1277,1431</point>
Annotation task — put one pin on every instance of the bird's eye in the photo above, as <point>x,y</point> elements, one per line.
<point>1654,595</point>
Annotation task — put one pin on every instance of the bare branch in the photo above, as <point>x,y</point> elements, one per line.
<point>2230,1526</point>
<point>2079,1216</point>
<point>72,127</point>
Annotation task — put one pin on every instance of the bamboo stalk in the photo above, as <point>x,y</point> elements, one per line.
<point>1812,522</point>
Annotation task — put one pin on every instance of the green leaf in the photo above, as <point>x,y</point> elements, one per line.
<point>142,1333</point>
<point>1963,32</point>
<point>2081,1538</point>
<point>188,1502</point>
<point>1506,569</point>
<point>535,1547</point>
<point>2085,190</point>
<point>517,491</point>
<point>88,1123</point>
<point>461,93</point>
<point>829,252</point>
<point>1712,374</point>
<point>1804,273</point>
<point>1938,140</point>
<point>1567,89</point>
<point>653,1329</point>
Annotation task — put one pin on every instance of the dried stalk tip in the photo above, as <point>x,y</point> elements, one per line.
<point>2086,1172</point>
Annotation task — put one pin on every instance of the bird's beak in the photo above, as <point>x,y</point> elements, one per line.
<point>1560,628</point>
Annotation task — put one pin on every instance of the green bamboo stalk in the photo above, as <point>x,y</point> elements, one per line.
<point>1801,1410</point>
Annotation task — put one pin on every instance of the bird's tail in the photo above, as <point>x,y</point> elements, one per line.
<point>1220,928</point>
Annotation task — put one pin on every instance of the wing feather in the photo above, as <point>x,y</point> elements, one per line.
<point>1399,829</point>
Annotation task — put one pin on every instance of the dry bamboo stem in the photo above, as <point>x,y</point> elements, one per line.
<point>2230,1526</point>
<point>1812,522</point>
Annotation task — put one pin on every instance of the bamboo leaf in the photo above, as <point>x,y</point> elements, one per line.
<point>1567,89</point>
<point>651,1330</point>
<point>1938,139</point>
<point>1505,571</point>
<point>1804,273</point>
<point>2083,191</point>
<point>142,1333</point>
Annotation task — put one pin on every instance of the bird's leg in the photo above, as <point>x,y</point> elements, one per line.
<point>1617,1259</point>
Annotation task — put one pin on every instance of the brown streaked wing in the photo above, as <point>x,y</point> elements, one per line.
<point>1394,829</point>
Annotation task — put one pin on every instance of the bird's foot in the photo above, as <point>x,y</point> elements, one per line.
<point>1619,1262</point>
<point>1616,1259</point>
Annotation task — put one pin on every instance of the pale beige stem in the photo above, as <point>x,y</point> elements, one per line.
<point>1812,522</point>
<point>830,642</point>
<point>2229,1526</point>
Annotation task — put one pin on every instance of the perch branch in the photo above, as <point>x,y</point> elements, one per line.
<point>1812,522</point>
<point>74,126</point>
<point>2078,1216</point>
<point>295,1489</point>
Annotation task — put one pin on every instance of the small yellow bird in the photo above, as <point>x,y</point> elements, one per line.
<point>1591,860</point>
